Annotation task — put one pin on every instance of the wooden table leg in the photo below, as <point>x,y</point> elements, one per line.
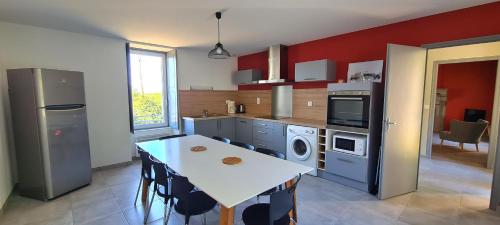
<point>293,212</point>
<point>145,190</point>
<point>226,216</point>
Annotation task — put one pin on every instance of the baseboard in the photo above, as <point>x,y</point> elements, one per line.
<point>117,165</point>
<point>6,203</point>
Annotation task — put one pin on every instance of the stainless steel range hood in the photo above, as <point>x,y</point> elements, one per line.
<point>278,64</point>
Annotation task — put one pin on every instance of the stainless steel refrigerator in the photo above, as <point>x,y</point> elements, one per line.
<point>50,130</point>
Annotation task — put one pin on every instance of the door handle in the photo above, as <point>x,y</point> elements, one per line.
<point>344,160</point>
<point>388,123</point>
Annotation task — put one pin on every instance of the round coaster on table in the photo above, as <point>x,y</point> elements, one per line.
<point>198,148</point>
<point>231,160</point>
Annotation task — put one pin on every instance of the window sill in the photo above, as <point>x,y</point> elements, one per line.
<point>153,133</point>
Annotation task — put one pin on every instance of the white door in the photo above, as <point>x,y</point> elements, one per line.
<point>404,91</point>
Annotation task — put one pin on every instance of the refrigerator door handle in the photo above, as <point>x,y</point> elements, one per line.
<point>65,107</point>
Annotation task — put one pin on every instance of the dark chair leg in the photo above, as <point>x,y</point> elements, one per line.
<point>171,204</point>
<point>477,147</point>
<point>149,208</point>
<point>138,189</point>
<point>186,219</point>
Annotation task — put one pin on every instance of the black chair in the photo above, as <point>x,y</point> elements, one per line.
<point>223,139</point>
<point>160,188</point>
<point>243,145</point>
<point>275,212</point>
<point>172,136</point>
<point>276,154</point>
<point>189,203</point>
<point>271,152</point>
<point>146,174</point>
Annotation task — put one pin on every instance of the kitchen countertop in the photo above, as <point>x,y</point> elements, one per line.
<point>290,121</point>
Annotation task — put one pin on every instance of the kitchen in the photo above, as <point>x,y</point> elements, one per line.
<point>287,109</point>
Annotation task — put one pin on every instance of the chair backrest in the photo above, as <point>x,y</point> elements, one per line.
<point>281,202</point>
<point>243,145</point>
<point>161,175</point>
<point>172,136</point>
<point>223,139</point>
<point>146,164</point>
<point>468,131</point>
<point>181,187</point>
<point>271,152</point>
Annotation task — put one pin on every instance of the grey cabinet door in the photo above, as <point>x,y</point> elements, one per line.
<point>270,135</point>
<point>243,130</point>
<point>279,137</point>
<point>347,165</point>
<point>226,128</point>
<point>207,128</point>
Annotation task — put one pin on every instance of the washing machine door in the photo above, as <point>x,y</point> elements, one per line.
<point>301,148</point>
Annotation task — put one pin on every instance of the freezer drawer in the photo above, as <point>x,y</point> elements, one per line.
<point>65,149</point>
<point>346,165</point>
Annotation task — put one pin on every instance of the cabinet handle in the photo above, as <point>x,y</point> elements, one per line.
<point>344,160</point>
<point>242,121</point>
<point>309,78</point>
<point>263,124</point>
<point>262,132</point>
<point>263,145</point>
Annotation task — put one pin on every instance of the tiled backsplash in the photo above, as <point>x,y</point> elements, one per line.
<point>317,97</point>
<point>249,99</point>
<point>194,102</point>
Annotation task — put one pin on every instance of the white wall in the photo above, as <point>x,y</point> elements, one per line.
<point>195,68</point>
<point>103,62</point>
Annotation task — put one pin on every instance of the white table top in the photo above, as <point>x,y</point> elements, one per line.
<point>230,185</point>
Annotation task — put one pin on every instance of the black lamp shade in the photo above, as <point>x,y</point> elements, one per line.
<point>218,52</point>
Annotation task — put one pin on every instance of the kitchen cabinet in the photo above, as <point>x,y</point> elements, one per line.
<point>226,128</point>
<point>319,70</point>
<point>247,76</point>
<point>347,165</point>
<point>210,127</point>
<point>243,130</point>
<point>271,135</point>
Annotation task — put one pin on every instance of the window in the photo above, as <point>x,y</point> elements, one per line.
<point>148,89</point>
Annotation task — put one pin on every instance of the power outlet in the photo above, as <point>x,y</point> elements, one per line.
<point>310,103</point>
<point>258,101</point>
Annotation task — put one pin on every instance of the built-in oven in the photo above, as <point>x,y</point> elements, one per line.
<point>349,108</point>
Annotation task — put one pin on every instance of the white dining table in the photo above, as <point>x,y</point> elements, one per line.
<point>229,185</point>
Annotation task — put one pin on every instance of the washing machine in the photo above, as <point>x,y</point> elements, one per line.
<point>302,146</point>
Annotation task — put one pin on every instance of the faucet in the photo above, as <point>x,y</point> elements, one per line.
<point>205,113</point>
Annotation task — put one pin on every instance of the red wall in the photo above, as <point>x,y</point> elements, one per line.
<point>469,85</point>
<point>371,44</point>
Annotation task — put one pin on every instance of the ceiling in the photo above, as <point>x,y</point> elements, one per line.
<point>247,26</point>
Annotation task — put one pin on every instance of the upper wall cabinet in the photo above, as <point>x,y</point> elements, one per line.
<point>319,70</point>
<point>247,76</point>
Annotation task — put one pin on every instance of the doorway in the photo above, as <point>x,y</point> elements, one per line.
<point>463,112</point>
<point>452,170</point>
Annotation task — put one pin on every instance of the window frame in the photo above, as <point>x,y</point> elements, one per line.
<point>164,89</point>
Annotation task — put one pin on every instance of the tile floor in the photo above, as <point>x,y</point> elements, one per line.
<point>449,193</point>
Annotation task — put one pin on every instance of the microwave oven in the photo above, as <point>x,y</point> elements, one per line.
<point>350,143</point>
<point>349,108</point>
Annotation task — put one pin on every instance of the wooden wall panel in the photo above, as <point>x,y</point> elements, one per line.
<point>194,102</point>
<point>249,99</point>
<point>316,112</point>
